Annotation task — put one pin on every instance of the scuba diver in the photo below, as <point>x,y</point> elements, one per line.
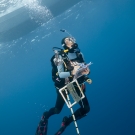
<point>65,64</point>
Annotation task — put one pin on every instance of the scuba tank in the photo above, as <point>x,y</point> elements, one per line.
<point>62,58</point>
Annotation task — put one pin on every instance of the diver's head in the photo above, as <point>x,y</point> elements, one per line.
<point>69,43</point>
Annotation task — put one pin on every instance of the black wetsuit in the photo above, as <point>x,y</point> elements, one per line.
<point>84,104</point>
<point>79,113</point>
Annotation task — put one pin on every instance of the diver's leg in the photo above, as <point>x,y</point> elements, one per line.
<point>58,106</point>
<point>42,127</point>
<point>82,111</point>
<point>79,113</point>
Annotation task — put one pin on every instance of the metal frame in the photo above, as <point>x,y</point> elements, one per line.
<point>72,92</point>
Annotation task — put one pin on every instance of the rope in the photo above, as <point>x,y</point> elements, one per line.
<point>72,112</point>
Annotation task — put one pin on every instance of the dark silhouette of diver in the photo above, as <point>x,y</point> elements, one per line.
<point>59,73</point>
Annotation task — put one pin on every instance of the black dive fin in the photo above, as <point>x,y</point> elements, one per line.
<point>42,128</point>
<point>60,131</point>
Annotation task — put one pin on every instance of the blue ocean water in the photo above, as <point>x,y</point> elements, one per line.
<point>105,32</point>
